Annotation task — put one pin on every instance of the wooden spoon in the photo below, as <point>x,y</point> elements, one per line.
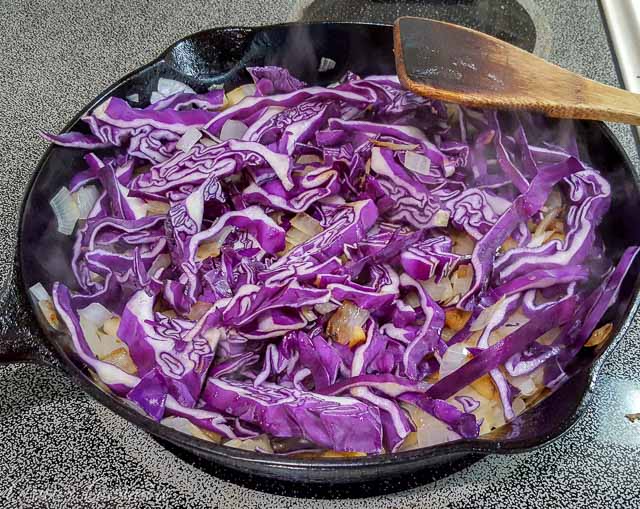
<point>457,64</point>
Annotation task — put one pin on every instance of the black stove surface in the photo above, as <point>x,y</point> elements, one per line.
<point>506,19</point>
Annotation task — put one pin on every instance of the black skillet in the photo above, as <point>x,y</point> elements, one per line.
<point>219,56</point>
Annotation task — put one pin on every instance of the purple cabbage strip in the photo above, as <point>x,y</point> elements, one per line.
<point>427,337</point>
<point>497,354</point>
<point>338,423</point>
<point>429,258</point>
<point>463,423</point>
<point>523,207</point>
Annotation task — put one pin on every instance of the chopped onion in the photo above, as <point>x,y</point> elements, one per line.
<point>441,218</point>
<point>110,326</point>
<point>110,343</point>
<point>540,234</point>
<point>485,387</point>
<point>308,159</point>
<point>441,291</point>
<point>233,130</point>
<point>358,337</point>
<point>333,200</point>
<point>133,98</point>
<point>308,314</point>
<point>393,146</point>
<point>538,377</point>
<point>39,292</point>
<point>453,112</point>
<point>86,197</point>
<point>211,248</point>
<point>90,331</point>
<point>189,139</point>
<point>121,358</point>
<point>138,206</point>
<point>485,315</point>
<point>410,442</point>
<point>49,312</point>
<point>525,384</point>
<point>66,211</point>
<point>161,262</point>
<point>238,94</point>
<point>412,299</point>
<point>325,308</point>
<point>96,278</point>
<point>463,244</point>
<point>261,443</point>
<point>326,64</point>
<point>198,310</point>
<point>210,140</point>
<point>303,228</point>
<point>453,358</point>
<point>417,163</point>
<point>518,406</point>
<point>186,426</point>
<point>342,454</point>
<point>447,334</point>
<point>144,168</point>
<point>508,244</point>
<point>547,220</point>
<point>430,431</point>
<point>208,250</point>
<point>102,344</point>
<point>600,335</point>
<point>456,319</point>
<point>491,414</point>
<point>451,301</point>
<point>95,313</point>
<point>516,320</point>
<point>277,216</point>
<point>167,87</point>
<point>306,224</point>
<point>449,168</point>
<point>157,208</point>
<point>345,325</point>
<point>105,388</point>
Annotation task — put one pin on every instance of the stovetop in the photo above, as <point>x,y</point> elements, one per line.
<point>507,19</point>
<point>59,448</point>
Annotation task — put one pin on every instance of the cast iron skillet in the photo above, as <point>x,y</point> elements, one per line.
<point>219,56</point>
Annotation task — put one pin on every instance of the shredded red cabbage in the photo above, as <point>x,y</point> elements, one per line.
<point>352,268</point>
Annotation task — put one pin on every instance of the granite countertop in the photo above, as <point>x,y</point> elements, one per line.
<point>59,448</point>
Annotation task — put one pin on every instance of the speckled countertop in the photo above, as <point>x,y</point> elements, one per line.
<point>59,448</point>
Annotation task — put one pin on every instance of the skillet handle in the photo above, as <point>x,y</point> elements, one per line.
<point>20,336</point>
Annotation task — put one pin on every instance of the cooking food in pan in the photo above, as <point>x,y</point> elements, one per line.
<point>334,271</point>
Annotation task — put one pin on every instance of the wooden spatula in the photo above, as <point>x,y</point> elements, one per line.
<point>457,64</point>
